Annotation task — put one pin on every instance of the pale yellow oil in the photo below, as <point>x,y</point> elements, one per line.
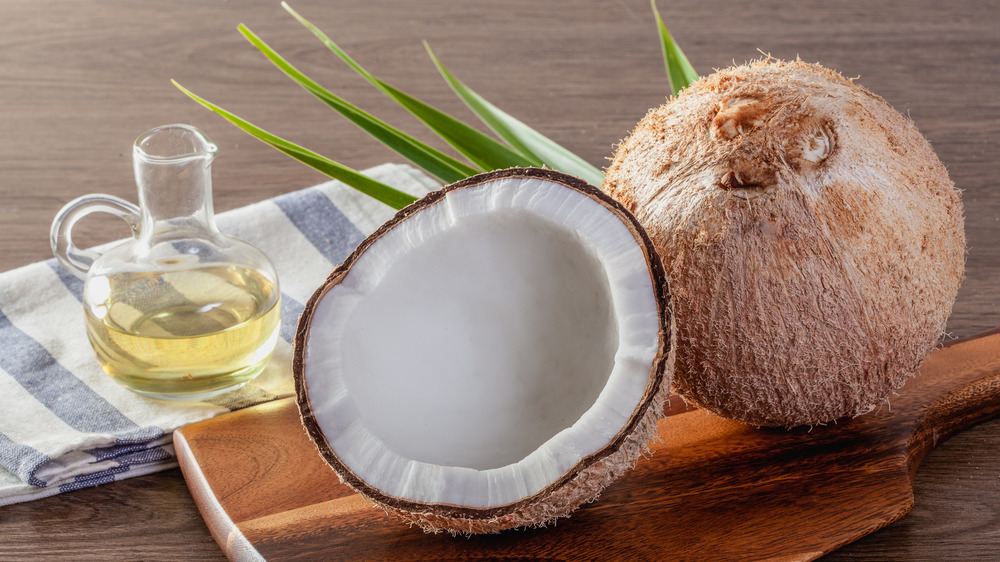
<point>185,334</point>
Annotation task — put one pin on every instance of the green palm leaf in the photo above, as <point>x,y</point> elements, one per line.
<point>519,135</point>
<point>433,161</point>
<point>374,189</point>
<point>525,146</point>
<point>680,73</point>
<point>474,145</point>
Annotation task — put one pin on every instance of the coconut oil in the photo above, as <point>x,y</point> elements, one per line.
<point>186,333</point>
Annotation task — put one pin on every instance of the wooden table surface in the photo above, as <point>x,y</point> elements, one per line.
<point>80,80</point>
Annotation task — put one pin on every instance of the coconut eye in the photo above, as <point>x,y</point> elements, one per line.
<point>737,116</point>
<point>819,145</point>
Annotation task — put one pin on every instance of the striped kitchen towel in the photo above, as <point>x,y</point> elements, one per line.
<point>65,425</point>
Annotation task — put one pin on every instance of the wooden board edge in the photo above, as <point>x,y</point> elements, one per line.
<point>225,532</point>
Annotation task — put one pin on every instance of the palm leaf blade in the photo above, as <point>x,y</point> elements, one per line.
<point>479,148</point>
<point>520,136</point>
<point>680,73</point>
<point>433,161</point>
<point>374,189</point>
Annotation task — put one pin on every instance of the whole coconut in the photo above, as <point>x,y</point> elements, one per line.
<point>813,241</point>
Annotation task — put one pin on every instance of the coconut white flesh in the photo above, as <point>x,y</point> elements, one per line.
<point>479,350</point>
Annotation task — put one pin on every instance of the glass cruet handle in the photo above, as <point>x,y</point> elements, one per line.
<point>74,259</point>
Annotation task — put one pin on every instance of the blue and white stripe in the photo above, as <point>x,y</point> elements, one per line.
<point>64,425</point>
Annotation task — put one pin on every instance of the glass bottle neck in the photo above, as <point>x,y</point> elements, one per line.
<point>175,195</point>
<point>173,171</point>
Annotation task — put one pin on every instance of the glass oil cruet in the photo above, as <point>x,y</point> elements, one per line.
<point>180,311</point>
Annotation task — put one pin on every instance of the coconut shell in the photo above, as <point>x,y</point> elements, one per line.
<point>592,473</point>
<point>813,241</point>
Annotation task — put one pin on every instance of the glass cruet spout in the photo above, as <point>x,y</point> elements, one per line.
<point>181,311</point>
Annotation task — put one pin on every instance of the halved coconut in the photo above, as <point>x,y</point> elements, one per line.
<point>490,358</point>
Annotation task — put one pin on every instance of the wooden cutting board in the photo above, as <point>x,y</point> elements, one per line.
<point>713,488</point>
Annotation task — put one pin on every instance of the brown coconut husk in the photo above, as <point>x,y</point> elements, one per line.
<point>812,239</point>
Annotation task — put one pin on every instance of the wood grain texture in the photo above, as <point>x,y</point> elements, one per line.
<point>80,80</point>
<point>712,488</point>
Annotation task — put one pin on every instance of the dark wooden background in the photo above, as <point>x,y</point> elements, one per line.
<point>80,80</point>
